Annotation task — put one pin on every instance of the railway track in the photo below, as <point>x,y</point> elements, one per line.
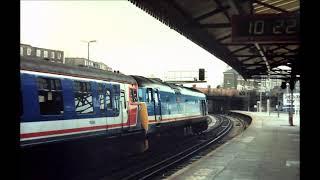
<point>212,136</point>
<point>165,156</point>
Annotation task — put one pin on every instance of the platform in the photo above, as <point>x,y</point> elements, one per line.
<point>268,150</point>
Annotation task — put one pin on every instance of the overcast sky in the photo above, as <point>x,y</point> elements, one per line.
<point>128,39</point>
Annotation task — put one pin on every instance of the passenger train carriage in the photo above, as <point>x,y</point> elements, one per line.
<point>170,105</point>
<point>63,102</point>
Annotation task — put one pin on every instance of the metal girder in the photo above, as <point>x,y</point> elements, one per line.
<point>255,64</point>
<point>261,77</point>
<point>281,47</point>
<point>224,37</point>
<point>291,50</point>
<point>251,6</point>
<point>270,6</point>
<point>258,62</point>
<point>185,17</point>
<point>278,63</point>
<point>211,13</point>
<point>277,48</point>
<point>263,54</point>
<point>236,6</point>
<point>202,38</point>
<point>271,56</point>
<point>243,48</point>
<point>224,12</point>
<point>247,59</point>
<point>270,44</point>
<point>216,25</point>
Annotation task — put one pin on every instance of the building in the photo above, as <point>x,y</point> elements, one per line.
<point>86,63</point>
<point>230,79</point>
<point>37,53</point>
<point>235,81</point>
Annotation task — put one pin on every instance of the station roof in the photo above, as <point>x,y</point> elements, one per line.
<point>208,24</point>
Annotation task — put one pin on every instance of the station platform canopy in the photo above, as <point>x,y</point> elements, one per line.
<point>272,28</point>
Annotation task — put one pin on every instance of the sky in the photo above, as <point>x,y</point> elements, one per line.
<point>128,39</point>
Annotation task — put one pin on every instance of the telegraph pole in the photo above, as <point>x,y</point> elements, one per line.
<point>88,42</point>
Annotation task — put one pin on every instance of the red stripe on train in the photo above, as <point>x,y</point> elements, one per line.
<point>63,131</point>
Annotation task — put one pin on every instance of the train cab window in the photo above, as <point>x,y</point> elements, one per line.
<point>133,95</point>
<point>149,95</point>
<point>156,98</point>
<point>50,96</point>
<point>140,95</point>
<point>83,97</point>
<point>108,99</point>
<point>101,97</point>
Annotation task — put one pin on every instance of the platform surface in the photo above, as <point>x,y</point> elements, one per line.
<point>268,150</point>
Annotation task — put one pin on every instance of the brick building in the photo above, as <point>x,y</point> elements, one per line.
<point>86,63</point>
<point>37,53</point>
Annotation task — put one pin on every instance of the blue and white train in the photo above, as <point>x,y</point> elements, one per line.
<point>63,102</point>
<point>170,105</point>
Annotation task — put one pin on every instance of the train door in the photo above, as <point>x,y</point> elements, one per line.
<point>133,107</point>
<point>157,106</point>
<point>109,110</point>
<point>153,104</point>
<point>123,110</point>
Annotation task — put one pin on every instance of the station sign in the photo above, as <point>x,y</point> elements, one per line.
<point>266,28</point>
<point>295,100</point>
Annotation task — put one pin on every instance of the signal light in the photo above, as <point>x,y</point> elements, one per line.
<point>283,85</point>
<point>201,74</point>
<point>291,83</point>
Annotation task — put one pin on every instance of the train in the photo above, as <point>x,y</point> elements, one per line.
<point>61,103</point>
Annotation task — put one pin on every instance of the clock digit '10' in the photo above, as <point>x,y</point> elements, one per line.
<point>288,26</point>
<point>256,27</point>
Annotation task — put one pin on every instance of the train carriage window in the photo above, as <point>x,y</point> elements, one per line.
<point>178,99</point>
<point>116,104</point>
<point>50,96</point>
<point>83,97</point>
<point>167,99</point>
<point>108,99</point>
<point>101,97</point>
<point>116,100</point>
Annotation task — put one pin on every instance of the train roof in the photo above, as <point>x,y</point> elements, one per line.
<point>75,71</point>
<point>168,87</point>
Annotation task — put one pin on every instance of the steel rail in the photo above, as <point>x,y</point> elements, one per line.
<point>165,164</point>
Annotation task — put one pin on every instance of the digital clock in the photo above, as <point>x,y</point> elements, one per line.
<point>265,28</point>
